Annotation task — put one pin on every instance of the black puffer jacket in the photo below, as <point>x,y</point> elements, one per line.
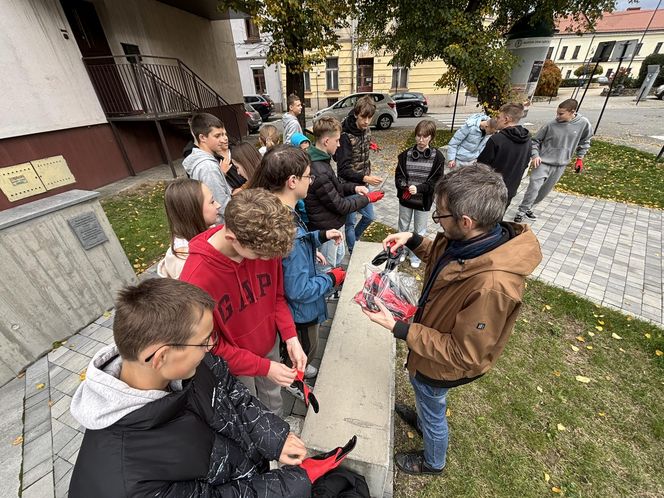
<point>211,439</point>
<point>508,152</point>
<point>352,156</point>
<point>328,200</point>
<point>405,173</point>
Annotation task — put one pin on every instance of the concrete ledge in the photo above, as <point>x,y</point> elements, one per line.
<point>42,207</point>
<point>355,385</point>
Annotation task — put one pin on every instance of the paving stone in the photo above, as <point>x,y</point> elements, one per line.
<point>60,407</point>
<point>63,438</point>
<point>37,451</point>
<point>62,486</point>
<point>43,488</point>
<point>37,472</point>
<point>11,426</point>
<point>60,468</point>
<point>70,450</point>
<point>68,419</point>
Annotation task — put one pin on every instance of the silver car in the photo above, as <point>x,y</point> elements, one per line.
<point>386,109</point>
<point>659,93</point>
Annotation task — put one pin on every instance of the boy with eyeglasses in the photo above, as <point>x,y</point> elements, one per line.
<point>239,265</point>
<point>163,418</point>
<point>329,201</point>
<point>286,172</point>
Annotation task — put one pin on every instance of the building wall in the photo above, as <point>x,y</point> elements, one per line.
<point>252,55</point>
<point>588,44</point>
<point>421,78</point>
<point>44,85</point>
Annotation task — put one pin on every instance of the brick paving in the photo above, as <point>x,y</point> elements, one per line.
<point>608,252</point>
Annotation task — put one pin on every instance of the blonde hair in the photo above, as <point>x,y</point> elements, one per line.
<point>269,133</point>
<point>261,223</point>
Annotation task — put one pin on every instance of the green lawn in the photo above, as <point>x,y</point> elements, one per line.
<point>139,220</point>
<point>533,427</point>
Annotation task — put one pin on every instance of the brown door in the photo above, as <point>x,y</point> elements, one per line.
<point>106,77</point>
<point>365,75</point>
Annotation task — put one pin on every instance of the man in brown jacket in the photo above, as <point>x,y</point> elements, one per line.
<point>470,301</point>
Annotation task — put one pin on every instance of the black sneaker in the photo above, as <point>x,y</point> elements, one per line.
<point>529,214</point>
<point>408,415</point>
<point>518,218</point>
<point>414,464</point>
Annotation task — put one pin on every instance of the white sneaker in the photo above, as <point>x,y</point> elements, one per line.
<point>310,372</point>
<point>415,264</point>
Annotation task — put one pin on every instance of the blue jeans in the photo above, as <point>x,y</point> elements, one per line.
<point>432,419</point>
<point>353,231</point>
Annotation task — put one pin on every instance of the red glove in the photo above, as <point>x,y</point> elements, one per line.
<point>375,196</point>
<point>338,275</point>
<point>406,195</point>
<point>319,465</point>
<point>578,166</point>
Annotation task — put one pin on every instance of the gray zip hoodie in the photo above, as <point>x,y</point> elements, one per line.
<point>555,142</point>
<point>291,126</point>
<point>103,399</point>
<point>203,166</point>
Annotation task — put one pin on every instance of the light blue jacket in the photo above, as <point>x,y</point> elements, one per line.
<point>304,289</point>
<point>468,141</point>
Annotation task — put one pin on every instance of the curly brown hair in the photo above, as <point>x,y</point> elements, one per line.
<point>261,223</point>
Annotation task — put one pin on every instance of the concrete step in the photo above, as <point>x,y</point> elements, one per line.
<point>355,385</point>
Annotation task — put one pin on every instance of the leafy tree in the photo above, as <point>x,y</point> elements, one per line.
<point>586,69</point>
<point>652,59</point>
<point>300,32</point>
<point>468,35</point>
<point>549,81</point>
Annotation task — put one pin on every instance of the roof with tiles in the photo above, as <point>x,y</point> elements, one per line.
<point>626,20</point>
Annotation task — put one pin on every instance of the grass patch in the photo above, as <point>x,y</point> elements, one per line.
<point>505,437</point>
<point>618,173</point>
<point>139,220</point>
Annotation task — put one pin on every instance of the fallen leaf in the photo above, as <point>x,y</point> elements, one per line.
<point>615,336</point>
<point>580,338</point>
<point>540,389</point>
<point>582,379</point>
<point>658,352</point>
<point>601,414</point>
<point>622,350</point>
<point>547,307</point>
<point>556,373</point>
<point>629,318</point>
<point>17,440</point>
<point>556,489</point>
<point>82,375</point>
<point>448,413</point>
<point>647,336</point>
<point>574,348</point>
<point>410,435</point>
<point>600,322</point>
<point>599,327</point>
<point>561,427</point>
<point>106,314</point>
<point>591,334</point>
<point>40,386</point>
<point>547,477</point>
<point>21,375</point>
<point>589,347</point>
<point>50,403</point>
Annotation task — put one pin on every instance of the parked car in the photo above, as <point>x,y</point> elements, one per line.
<point>659,93</point>
<point>385,109</point>
<point>602,80</point>
<point>261,104</point>
<point>254,120</point>
<point>411,104</point>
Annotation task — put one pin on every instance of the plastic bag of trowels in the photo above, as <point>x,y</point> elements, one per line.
<point>398,291</point>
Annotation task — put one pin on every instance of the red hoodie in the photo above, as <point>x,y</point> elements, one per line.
<point>251,306</point>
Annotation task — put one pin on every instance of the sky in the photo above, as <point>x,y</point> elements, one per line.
<point>644,4</point>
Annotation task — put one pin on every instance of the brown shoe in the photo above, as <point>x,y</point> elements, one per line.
<point>414,464</point>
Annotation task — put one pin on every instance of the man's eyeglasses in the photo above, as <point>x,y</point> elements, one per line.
<point>437,217</point>
<point>209,344</point>
<point>311,177</point>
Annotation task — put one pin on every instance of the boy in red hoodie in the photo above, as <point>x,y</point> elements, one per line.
<point>239,265</point>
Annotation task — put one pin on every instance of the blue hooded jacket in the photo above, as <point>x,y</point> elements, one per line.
<point>304,289</point>
<point>468,141</point>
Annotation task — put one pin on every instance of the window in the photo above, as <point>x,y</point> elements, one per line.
<point>575,55</point>
<point>259,80</point>
<point>657,47</point>
<point>307,103</point>
<point>568,74</point>
<point>132,50</point>
<point>638,48</point>
<point>331,101</point>
<point>609,72</point>
<point>253,33</point>
<point>549,53</point>
<point>562,53</point>
<point>399,77</point>
<point>307,82</point>
<point>332,73</point>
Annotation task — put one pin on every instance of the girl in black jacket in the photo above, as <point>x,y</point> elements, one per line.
<point>418,170</point>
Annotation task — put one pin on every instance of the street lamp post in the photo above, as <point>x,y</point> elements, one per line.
<point>317,94</point>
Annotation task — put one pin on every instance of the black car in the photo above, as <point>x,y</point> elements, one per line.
<point>264,107</point>
<point>411,104</point>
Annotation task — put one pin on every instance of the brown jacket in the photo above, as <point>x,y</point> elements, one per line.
<point>472,308</point>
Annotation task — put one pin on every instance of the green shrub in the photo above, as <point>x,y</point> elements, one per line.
<point>652,59</point>
<point>587,69</point>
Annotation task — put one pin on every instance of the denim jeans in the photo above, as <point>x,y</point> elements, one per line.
<point>420,219</point>
<point>353,231</point>
<point>432,419</point>
<point>334,254</point>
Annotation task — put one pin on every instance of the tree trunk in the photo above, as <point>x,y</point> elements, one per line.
<point>295,85</point>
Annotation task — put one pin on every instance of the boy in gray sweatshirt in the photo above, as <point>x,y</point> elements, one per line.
<point>289,119</point>
<point>553,146</point>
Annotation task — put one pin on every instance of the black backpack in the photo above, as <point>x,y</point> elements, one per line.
<point>342,483</point>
